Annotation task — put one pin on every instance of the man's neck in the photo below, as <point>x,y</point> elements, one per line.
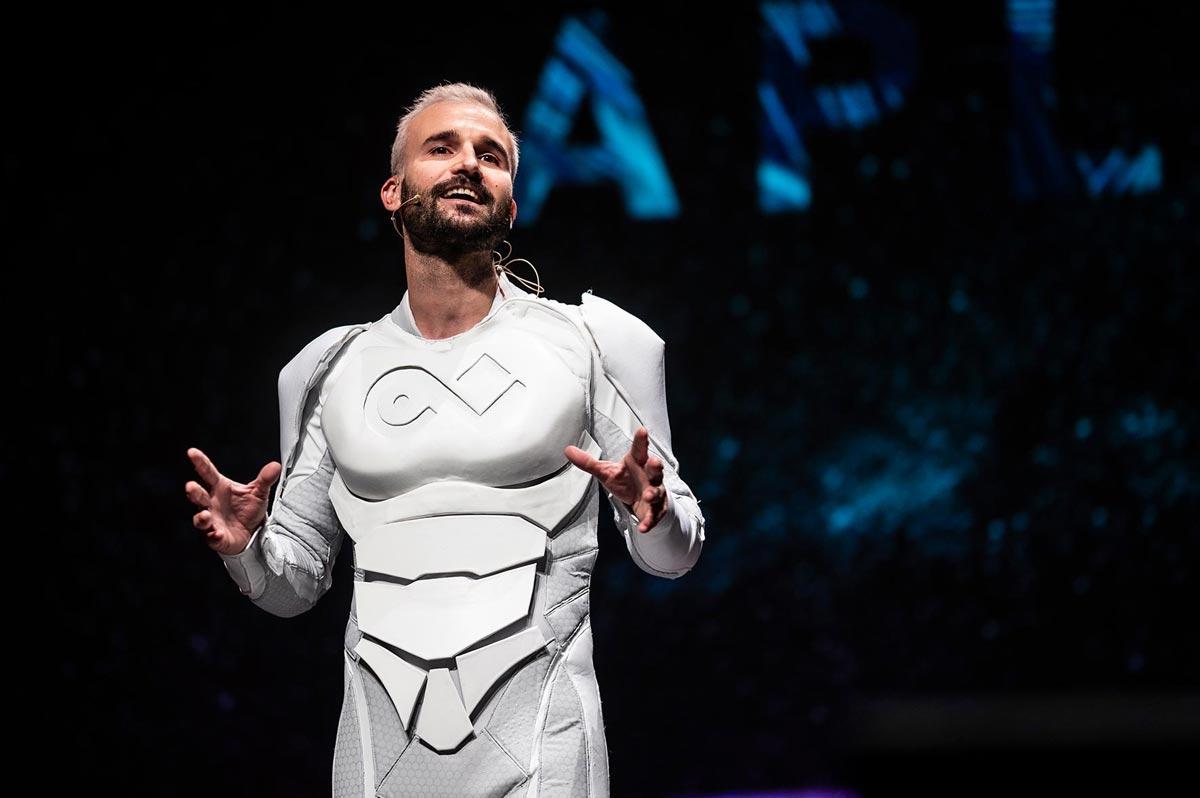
<point>443,300</point>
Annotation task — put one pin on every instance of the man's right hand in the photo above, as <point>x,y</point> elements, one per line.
<point>230,511</point>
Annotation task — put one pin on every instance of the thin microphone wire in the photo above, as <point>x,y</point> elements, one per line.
<point>413,198</point>
<point>501,263</point>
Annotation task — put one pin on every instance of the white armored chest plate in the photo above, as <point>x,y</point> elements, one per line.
<point>492,406</point>
<point>450,478</point>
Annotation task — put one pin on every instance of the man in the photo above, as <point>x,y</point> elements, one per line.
<point>460,442</point>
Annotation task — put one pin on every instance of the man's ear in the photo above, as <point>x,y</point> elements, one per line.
<point>512,218</point>
<point>390,191</point>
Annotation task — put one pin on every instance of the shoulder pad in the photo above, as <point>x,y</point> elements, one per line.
<point>634,356</point>
<point>293,380</point>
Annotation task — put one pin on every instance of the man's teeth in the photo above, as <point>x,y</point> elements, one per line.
<point>463,192</point>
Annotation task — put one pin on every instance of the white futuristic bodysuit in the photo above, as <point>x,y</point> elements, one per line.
<point>468,651</point>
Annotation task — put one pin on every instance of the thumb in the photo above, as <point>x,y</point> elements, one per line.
<point>266,478</point>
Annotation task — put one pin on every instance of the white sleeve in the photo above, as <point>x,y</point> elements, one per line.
<point>630,391</point>
<point>288,564</point>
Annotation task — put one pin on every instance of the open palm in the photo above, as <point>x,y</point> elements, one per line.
<point>231,511</point>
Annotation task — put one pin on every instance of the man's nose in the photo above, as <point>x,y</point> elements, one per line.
<point>467,161</point>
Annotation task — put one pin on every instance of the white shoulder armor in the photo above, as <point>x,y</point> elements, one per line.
<point>634,357</point>
<point>296,378</point>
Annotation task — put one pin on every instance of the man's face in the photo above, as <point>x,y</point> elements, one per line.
<point>457,145</point>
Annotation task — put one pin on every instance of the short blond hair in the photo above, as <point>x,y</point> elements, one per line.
<point>461,92</point>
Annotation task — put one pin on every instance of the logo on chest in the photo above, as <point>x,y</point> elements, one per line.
<point>497,412</point>
<point>403,395</point>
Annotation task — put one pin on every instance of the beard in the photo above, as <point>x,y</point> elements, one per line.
<point>438,228</point>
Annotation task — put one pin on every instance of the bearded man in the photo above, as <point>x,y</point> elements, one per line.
<point>461,442</point>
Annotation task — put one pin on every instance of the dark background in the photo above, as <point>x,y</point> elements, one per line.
<point>946,439</point>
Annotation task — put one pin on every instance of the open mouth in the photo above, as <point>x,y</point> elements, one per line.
<point>463,195</point>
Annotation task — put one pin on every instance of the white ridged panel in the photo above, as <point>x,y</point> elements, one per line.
<point>443,723</point>
<point>613,405</point>
<point>478,670</point>
<point>545,503</point>
<point>478,544</point>
<point>401,680</point>
<point>438,618</point>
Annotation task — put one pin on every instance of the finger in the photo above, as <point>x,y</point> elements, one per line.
<point>585,461</point>
<point>647,515</point>
<point>204,467</point>
<point>641,446</point>
<point>654,470</point>
<point>266,478</point>
<point>197,494</point>
<point>203,521</point>
<point>648,522</point>
<point>655,499</point>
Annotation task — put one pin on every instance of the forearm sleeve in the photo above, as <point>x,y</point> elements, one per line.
<point>629,390</point>
<point>672,546</point>
<point>288,564</point>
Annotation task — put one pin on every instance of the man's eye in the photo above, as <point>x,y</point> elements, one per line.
<point>485,155</point>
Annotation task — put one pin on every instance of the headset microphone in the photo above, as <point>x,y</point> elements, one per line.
<point>413,198</point>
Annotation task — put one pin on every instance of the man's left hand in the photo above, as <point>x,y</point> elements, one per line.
<point>636,479</point>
